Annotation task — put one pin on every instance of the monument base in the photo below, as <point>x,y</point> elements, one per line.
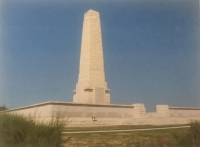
<point>75,114</point>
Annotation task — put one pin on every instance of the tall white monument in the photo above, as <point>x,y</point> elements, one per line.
<point>91,87</point>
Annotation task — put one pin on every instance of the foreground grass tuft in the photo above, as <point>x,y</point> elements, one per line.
<point>191,138</point>
<point>17,131</point>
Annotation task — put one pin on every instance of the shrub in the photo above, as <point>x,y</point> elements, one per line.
<point>194,133</point>
<point>2,108</point>
<point>17,131</point>
<point>190,139</point>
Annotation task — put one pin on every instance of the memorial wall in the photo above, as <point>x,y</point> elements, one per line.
<point>74,114</point>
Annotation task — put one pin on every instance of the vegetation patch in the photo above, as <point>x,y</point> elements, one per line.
<point>179,137</point>
<point>17,131</point>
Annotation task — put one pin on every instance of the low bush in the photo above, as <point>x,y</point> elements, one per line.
<point>17,131</point>
<point>3,108</point>
<point>188,139</point>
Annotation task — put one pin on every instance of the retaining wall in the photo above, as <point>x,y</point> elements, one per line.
<point>75,114</point>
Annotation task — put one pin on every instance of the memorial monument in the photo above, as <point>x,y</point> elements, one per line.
<point>91,87</point>
<point>91,102</point>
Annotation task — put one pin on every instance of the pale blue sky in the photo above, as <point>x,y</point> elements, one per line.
<point>150,48</point>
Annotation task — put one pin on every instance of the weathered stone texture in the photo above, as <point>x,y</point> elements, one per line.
<point>139,110</point>
<point>91,70</point>
<point>83,114</point>
<point>163,110</point>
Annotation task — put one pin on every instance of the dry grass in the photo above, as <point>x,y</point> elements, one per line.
<point>18,131</point>
<point>124,139</point>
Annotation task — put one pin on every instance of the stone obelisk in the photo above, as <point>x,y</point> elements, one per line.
<point>91,87</point>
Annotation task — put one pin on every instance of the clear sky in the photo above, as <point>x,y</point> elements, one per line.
<point>151,50</point>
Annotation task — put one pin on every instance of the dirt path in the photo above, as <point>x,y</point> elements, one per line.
<point>130,130</point>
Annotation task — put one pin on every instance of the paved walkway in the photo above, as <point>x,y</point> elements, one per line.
<point>130,130</point>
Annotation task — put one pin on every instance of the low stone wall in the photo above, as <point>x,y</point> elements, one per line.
<point>184,112</point>
<point>39,112</point>
<point>75,114</point>
<point>165,115</point>
<point>79,114</point>
<point>91,114</point>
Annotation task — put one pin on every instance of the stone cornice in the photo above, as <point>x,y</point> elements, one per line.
<point>70,104</point>
<point>184,108</point>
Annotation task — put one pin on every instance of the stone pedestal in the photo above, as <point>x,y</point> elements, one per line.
<point>163,110</point>
<point>139,111</point>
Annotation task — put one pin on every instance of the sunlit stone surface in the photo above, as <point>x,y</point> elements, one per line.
<point>91,87</point>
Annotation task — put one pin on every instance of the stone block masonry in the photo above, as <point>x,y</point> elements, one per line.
<point>91,87</point>
<point>76,114</point>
